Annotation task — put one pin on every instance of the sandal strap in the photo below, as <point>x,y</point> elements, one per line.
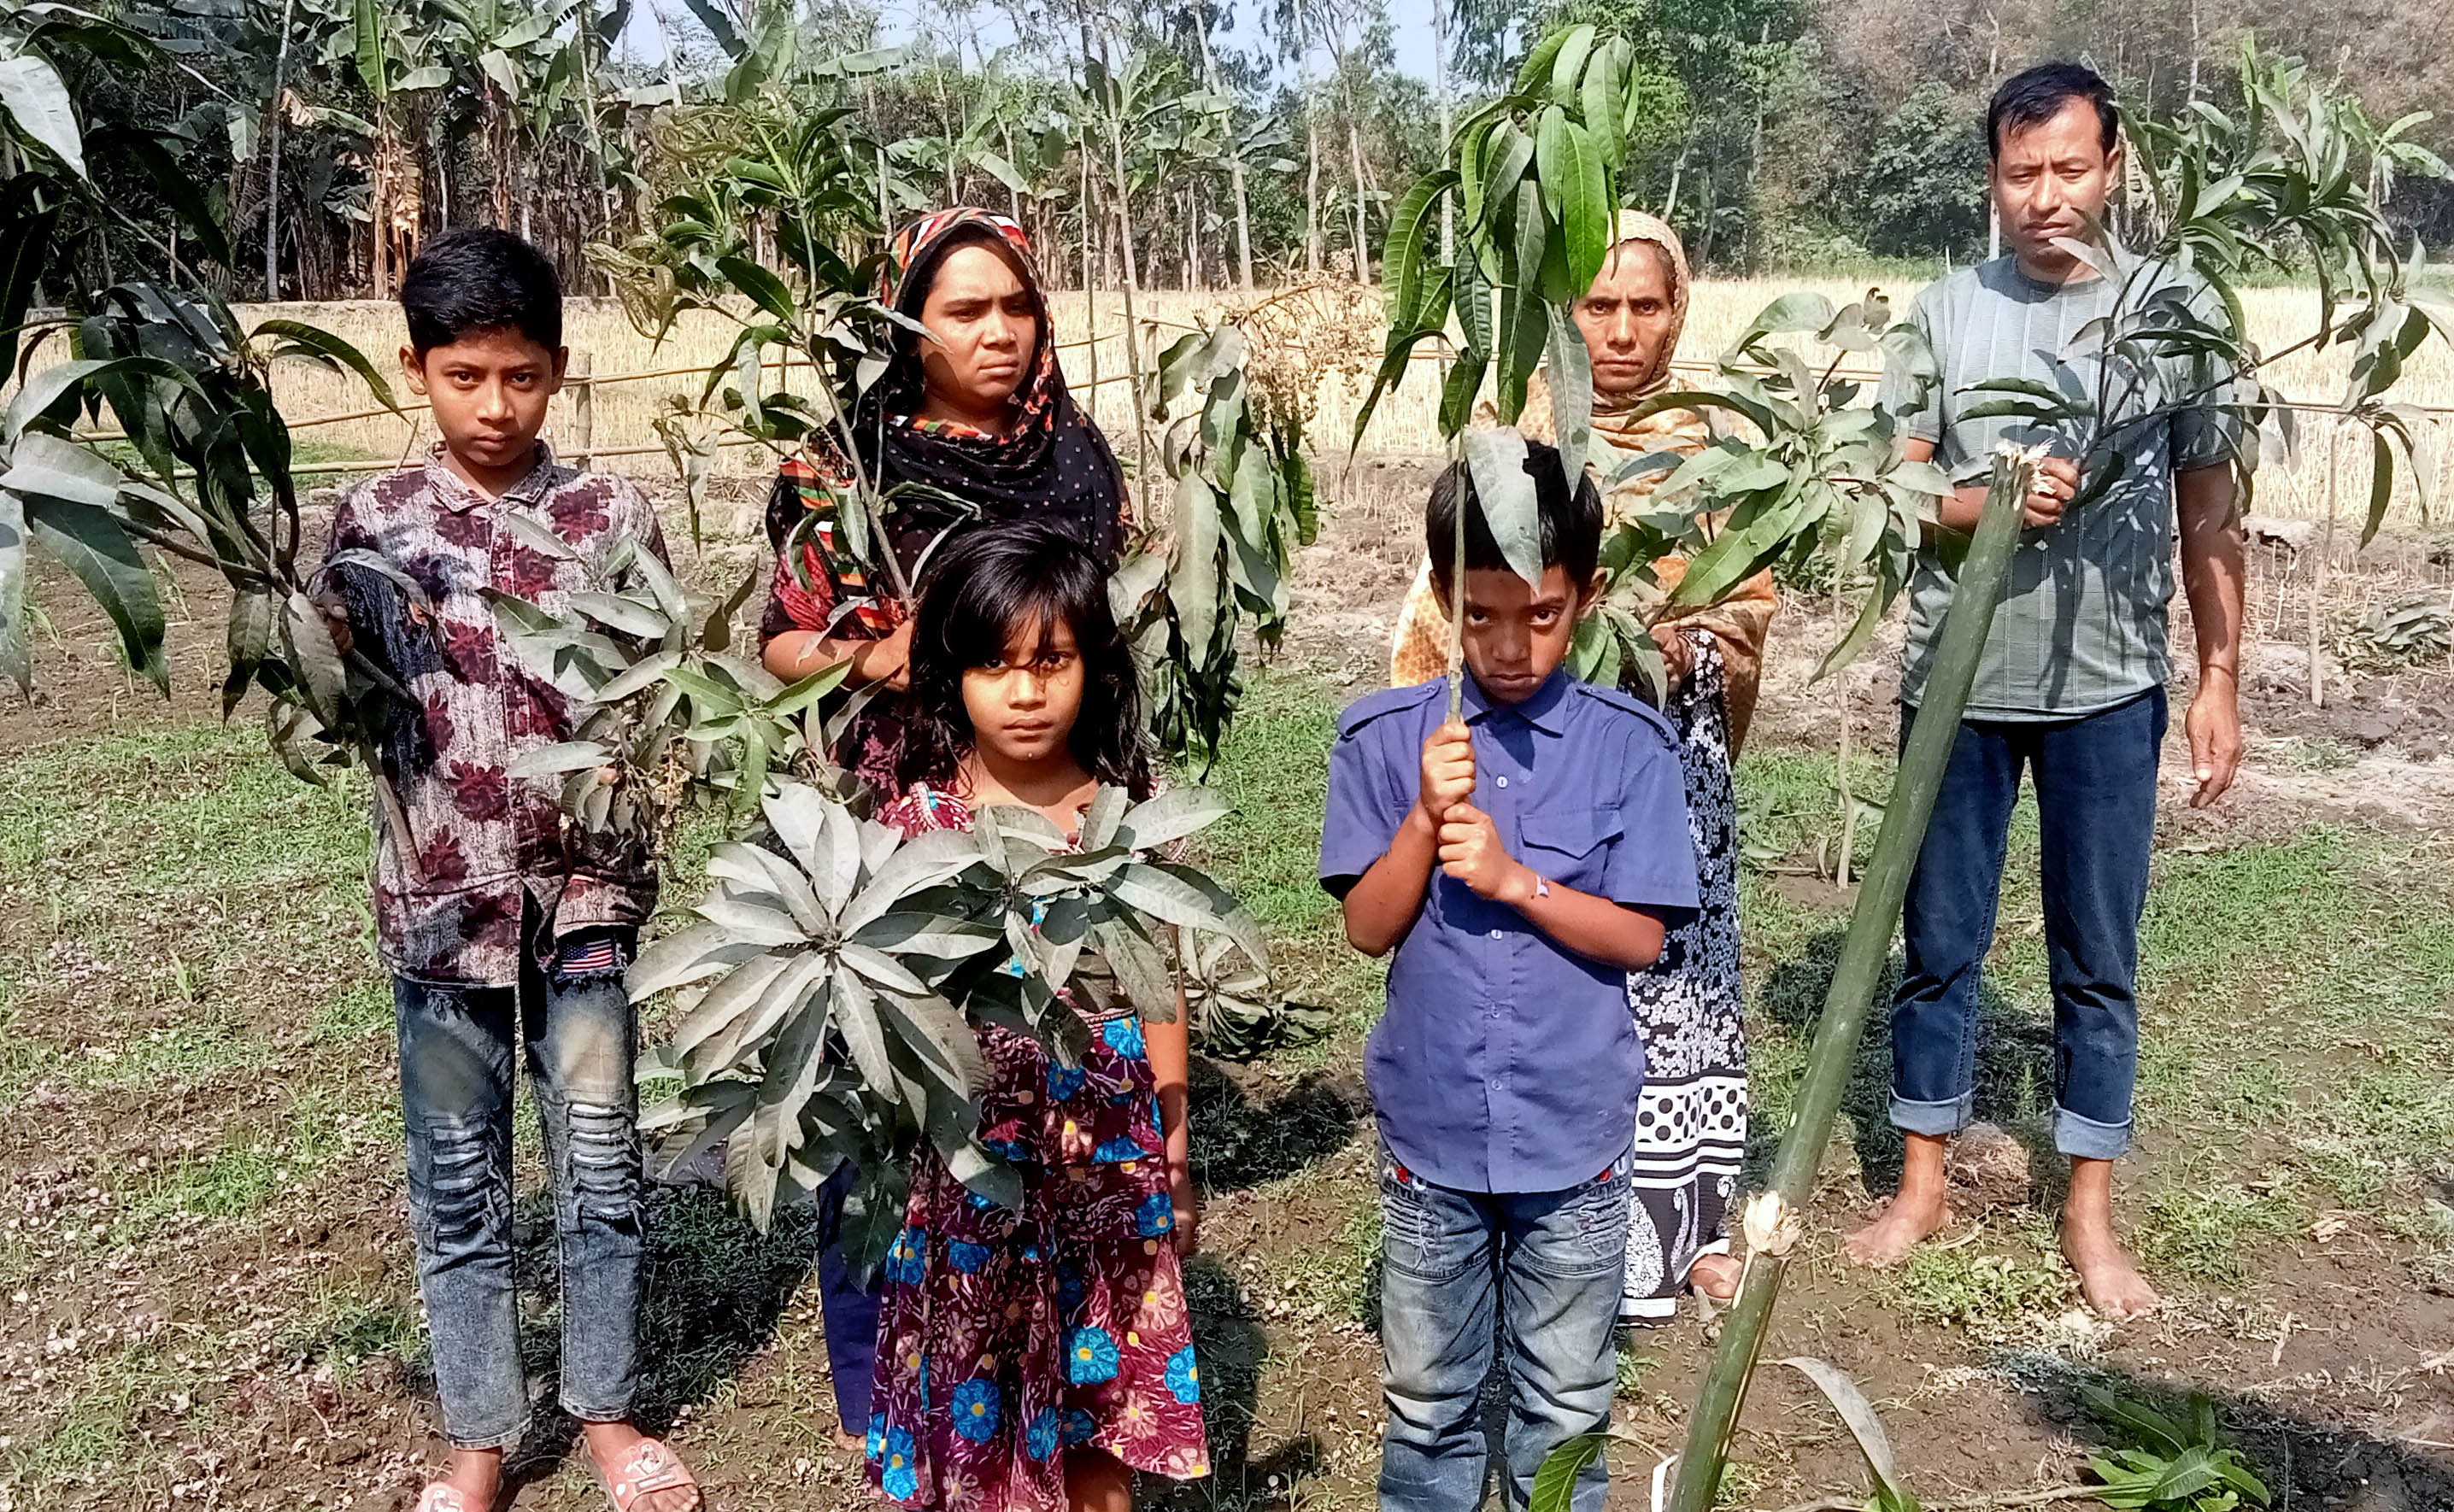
<point>441,1496</point>
<point>650,1468</point>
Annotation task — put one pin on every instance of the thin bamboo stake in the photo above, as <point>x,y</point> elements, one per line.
<point>1854,980</point>
<point>2318,582</point>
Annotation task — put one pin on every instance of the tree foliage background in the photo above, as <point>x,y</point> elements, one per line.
<point>330,136</point>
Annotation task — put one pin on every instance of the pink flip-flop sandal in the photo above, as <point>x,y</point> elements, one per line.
<point>648,1468</point>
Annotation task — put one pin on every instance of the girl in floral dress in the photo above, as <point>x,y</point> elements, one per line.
<point>1031,1357</point>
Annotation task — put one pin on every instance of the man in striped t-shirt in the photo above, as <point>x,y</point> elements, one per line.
<point>2071,685</point>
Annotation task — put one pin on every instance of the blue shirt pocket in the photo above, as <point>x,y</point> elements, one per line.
<point>1570,845</point>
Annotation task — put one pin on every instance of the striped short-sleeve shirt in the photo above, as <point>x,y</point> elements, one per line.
<point>2081,626</point>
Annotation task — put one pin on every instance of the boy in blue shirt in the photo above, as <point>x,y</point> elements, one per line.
<point>1519,861</point>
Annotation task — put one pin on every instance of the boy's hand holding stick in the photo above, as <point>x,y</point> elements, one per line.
<point>1470,847</point>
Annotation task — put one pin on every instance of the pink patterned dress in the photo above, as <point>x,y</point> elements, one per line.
<point>1007,1337</point>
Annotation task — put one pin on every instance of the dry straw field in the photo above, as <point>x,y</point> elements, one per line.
<point>1336,336</point>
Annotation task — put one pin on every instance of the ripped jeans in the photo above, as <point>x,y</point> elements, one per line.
<point>456,1083</point>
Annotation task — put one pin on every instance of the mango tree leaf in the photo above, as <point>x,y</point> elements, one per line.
<point>1572,396</point>
<point>1167,818</point>
<point>687,955</point>
<point>314,342</point>
<point>1555,1483</point>
<point>91,545</point>
<point>36,99</point>
<point>1858,1415</point>
<point>1495,458</point>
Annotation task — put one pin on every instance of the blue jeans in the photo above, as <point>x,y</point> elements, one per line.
<point>2096,810</point>
<point>1545,1269</point>
<point>848,1309</point>
<point>455,1085</point>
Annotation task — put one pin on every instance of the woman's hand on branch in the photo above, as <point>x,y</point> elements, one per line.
<point>1678,658</point>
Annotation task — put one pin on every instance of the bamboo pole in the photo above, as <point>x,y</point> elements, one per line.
<point>1772,1218</point>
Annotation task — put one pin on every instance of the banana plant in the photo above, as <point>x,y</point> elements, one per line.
<point>829,991</point>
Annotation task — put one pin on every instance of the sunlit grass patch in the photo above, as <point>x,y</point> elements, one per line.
<point>1275,771</point>
<point>130,820</point>
<point>1996,1284</point>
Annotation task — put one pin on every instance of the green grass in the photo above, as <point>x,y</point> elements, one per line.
<point>2294,996</point>
<point>1275,770</point>
<point>130,821</point>
<point>1989,1292</point>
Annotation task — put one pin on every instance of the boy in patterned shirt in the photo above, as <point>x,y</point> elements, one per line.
<point>499,919</point>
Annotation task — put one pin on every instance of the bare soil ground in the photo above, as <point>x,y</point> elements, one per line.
<point>205,1294</point>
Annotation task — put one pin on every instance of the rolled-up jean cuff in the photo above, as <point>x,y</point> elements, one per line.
<point>509,1439</point>
<point>2085,1139</point>
<point>1934,1119</point>
<point>586,1413</point>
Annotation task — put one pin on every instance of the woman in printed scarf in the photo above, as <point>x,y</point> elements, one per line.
<point>974,424</point>
<point>1692,1123</point>
<point>979,414</point>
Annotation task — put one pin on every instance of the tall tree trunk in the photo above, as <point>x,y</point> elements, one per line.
<point>1235,164</point>
<point>594,106</point>
<point>1312,174</point>
<point>272,161</point>
<point>1355,162</point>
<point>1132,333</point>
<point>1440,86</point>
<point>379,262</point>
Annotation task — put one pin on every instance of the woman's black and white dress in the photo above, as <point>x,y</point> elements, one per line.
<point>1691,1131</point>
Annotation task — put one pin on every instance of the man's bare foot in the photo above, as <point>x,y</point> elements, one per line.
<point>610,1446</point>
<point>2109,1278</point>
<point>1905,1221</point>
<point>477,1476</point>
<point>1716,1276</point>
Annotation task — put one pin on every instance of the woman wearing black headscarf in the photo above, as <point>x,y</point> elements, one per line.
<point>978,412</point>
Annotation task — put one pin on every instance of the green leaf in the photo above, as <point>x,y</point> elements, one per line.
<point>687,955</point>
<point>1495,457</point>
<point>1169,817</point>
<point>322,345</point>
<point>1590,212</point>
<point>1601,100</point>
<point>1572,395</point>
<point>16,660</point>
<point>1554,1484</point>
<point>91,545</point>
<point>1402,255</point>
<point>36,99</point>
<point>1555,166</point>
<point>366,27</point>
<point>2381,484</point>
<point>763,289</point>
<point>1508,166</point>
<point>1569,66</point>
<point>1858,1415</point>
<point>1193,572</point>
<point>1536,70</point>
<point>56,467</point>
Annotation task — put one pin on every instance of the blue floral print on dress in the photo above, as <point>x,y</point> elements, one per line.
<point>1065,1081</point>
<point>1090,1357</point>
<point>1079,1427</point>
<point>1155,1215</point>
<point>976,1411</point>
<point>1184,1376</point>
<point>1117,1151</point>
<point>898,1477</point>
<point>1124,1036</point>
<point>877,1445</point>
<point>1039,1439</point>
<point>967,1258</point>
<point>904,1262</point>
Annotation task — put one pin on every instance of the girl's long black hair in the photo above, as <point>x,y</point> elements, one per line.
<point>984,586</point>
